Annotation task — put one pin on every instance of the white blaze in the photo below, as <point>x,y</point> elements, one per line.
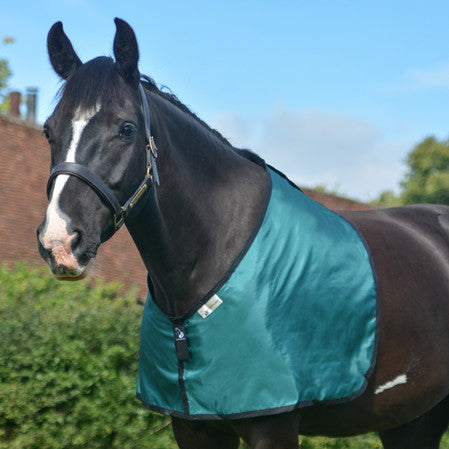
<point>55,235</point>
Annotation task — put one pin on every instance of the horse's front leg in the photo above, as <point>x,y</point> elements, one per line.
<point>270,432</point>
<point>204,434</point>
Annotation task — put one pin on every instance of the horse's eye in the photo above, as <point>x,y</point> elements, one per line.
<point>127,131</point>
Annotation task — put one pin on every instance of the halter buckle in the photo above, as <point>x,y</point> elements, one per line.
<point>138,194</point>
<point>152,146</point>
<point>152,153</point>
<point>119,220</point>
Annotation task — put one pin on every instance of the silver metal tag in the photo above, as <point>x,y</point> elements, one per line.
<point>212,304</point>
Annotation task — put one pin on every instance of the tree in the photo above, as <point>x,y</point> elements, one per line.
<point>5,75</point>
<point>387,198</point>
<point>427,179</point>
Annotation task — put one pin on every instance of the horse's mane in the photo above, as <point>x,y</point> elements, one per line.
<point>86,88</point>
<point>166,93</point>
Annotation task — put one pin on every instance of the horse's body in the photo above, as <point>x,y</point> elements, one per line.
<point>409,246</point>
<point>190,229</point>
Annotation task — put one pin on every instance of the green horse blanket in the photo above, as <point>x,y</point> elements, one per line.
<point>293,323</point>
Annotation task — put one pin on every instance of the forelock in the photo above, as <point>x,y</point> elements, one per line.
<point>92,84</point>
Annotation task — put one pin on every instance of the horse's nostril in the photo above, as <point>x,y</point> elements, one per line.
<point>75,239</point>
<point>43,251</point>
<point>39,232</point>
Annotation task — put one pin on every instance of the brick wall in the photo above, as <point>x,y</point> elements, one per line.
<point>24,169</point>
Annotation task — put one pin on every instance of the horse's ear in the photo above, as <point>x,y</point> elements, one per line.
<point>126,51</point>
<point>62,55</point>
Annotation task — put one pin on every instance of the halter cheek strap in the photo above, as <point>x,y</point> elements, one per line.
<point>151,146</point>
<point>120,212</point>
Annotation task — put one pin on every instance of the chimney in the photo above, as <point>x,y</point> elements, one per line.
<point>31,104</point>
<point>14,104</point>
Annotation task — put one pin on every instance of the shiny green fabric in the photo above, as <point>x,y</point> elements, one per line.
<point>297,324</point>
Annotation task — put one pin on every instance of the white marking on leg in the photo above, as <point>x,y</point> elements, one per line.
<point>55,236</point>
<point>400,380</point>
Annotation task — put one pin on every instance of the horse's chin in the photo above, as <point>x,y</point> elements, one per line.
<point>74,275</point>
<point>71,278</point>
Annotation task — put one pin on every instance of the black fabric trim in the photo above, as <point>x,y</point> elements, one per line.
<point>253,413</point>
<point>282,175</point>
<point>200,417</point>
<point>284,409</point>
<point>182,387</point>
<point>370,370</point>
<point>193,310</point>
<point>236,261</point>
<point>161,410</point>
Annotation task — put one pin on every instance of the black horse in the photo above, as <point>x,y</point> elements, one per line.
<point>191,208</point>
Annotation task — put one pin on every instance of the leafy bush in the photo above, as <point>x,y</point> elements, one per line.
<point>68,365</point>
<point>68,368</point>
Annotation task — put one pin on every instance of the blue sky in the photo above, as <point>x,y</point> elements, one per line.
<point>330,92</point>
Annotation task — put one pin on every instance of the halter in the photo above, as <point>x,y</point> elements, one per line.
<point>101,189</point>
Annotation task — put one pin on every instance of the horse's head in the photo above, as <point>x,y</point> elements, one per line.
<point>97,139</point>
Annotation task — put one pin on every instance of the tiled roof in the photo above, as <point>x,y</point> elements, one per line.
<point>24,169</point>
<point>335,202</point>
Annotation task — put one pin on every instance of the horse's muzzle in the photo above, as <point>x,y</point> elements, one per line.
<point>58,252</point>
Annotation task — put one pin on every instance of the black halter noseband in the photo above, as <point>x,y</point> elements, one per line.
<point>101,189</point>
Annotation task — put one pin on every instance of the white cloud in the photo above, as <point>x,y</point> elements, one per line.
<point>432,77</point>
<point>318,147</point>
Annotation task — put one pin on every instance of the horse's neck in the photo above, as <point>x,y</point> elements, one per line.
<point>199,218</point>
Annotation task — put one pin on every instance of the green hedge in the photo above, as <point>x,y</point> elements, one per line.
<point>68,366</point>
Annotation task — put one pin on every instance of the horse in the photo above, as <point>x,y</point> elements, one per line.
<point>124,151</point>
